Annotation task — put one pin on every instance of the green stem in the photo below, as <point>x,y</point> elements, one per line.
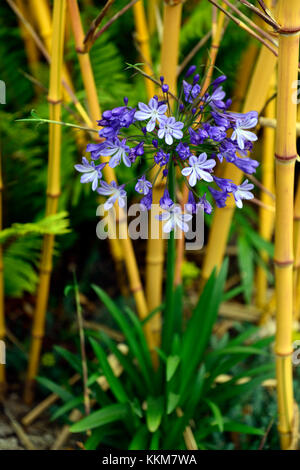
<point>169,319</point>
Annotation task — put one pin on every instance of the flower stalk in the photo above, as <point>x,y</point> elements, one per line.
<point>155,247</point>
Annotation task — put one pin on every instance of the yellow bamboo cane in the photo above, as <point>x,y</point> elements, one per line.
<point>155,247</point>
<point>124,248</point>
<point>285,156</point>
<point>40,10</point>
<point>92,98</point>
<point>255,100</point>
<point>142,38</point>
<point>153,5</point>
<point>2,311</point>
<point>53,192</point>
<point>266,218</point>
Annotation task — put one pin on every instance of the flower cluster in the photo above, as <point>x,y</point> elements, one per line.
<point>192,132</point>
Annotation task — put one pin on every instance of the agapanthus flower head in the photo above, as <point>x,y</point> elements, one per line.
<point>191,132</point>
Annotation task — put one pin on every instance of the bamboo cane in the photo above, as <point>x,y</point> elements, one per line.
<point>296,276</point>
<point>155,247</point>
<point>142,38</point>
<point>53,192</point>
<point>285,156</point>
<point>40,10</point>
<point>153,5</point>
<point>2,310</point>
<point>255,99</point>
<point>123,246</point>
<point>92,99</point>
<point>266,218</point>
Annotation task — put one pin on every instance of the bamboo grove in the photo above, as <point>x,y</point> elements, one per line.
<point>263,81</point>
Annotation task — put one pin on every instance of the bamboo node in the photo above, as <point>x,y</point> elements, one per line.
<point>289,31</point>
<point>54,102</point>
<point>287,158</point>
<point>53,195</point>
<point>287,354</point>
<point>136,289</point>
<point>280,264</point>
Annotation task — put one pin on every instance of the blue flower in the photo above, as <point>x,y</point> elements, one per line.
<point>116,193</point>
<point>183,151</point>
<point>169,128</point>
<point>161,158</point>
<point>217,133</point>
<point>219,196</point>
<point>118,151</point>
<point>225,184</point>
<point>243,192</point>
<point>96,150</point>
<point>240,133</point>
<point>91,173</point>
<point>216,98</point>
<point>143,186</point>
<point>190,92</point>
<point>174,217</point>
<point>146,202</point>
<point>247,165</point>
<point>200,168</point>
<point>166,202</point>
<point>153,112</point>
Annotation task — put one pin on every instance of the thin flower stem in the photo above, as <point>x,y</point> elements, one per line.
<point>171,257</point>
<point>261,186</point>
<point>67,124</point>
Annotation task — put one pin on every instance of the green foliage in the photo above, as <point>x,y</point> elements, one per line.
<point>21,252</point>
<point>141,409</point>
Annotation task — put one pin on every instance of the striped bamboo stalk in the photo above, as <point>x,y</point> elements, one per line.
<point>285,157</point>
<point>142,39</point>
<point>266,218</point>
<point>2,309</point>
<point>122,247</point>
<point>53,192</point>
<point>255,100</point>
<point>155,247</point>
